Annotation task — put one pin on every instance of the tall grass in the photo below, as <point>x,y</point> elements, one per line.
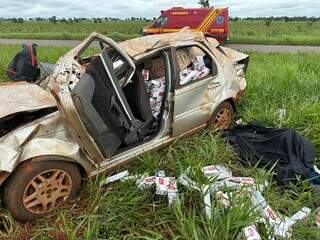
<point>122,211</point>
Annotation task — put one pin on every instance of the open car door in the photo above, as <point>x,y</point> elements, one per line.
<point>91,99</point>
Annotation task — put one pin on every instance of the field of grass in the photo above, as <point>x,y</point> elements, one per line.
<point>278,32</point>
<point>118,30</point>
<point>242,31</point>
<point>121,211</point>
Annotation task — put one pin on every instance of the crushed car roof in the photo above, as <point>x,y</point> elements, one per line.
<point>136,46</point>
<point>23,97</point>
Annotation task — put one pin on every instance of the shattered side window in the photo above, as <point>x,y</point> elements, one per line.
<point>121,67</point>
<point>194,64</point>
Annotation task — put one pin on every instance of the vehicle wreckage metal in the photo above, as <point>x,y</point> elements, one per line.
<point>43,123</point>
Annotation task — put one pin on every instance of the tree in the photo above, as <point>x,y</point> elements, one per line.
<point>204,3</point>
<point>20,20</point>
<point>53,19</point>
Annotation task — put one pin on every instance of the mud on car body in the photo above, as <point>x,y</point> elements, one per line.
<point>102,106</point>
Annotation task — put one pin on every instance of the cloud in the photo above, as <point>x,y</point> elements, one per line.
<point>151,8</point>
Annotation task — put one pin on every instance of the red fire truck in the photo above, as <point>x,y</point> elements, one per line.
<point>212,22</point>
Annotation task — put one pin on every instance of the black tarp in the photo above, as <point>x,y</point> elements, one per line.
<point>287,151</point>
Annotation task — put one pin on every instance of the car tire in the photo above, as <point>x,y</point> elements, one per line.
<point>222,116</point>
<point>36,188</point>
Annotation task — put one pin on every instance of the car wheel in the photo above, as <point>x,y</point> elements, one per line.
<point>222,117</point>
<point>37,188</point>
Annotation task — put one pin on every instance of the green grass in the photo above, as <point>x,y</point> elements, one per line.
<point>118,30</point>
<point>121,211</point>
<point>242,31</point>
<point>279,32</point>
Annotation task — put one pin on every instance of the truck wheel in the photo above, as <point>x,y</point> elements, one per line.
<point>222,117</point>
<point>37,188</point>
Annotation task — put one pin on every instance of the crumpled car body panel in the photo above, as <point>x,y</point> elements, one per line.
<point>46,136</point>
<point>23,97</point>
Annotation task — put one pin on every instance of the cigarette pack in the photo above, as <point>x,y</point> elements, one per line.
<point>145,182</point>
<point>200,62</point>
<point>207,201</point>
<point>160,173</point>
<point>217,172</point>
<point>184,180</point>
<point>116,177</point>
<point>161,185</point>
<point>172,190</point>
<point>223,199</point>
<point>270,215</point>
<point>243,180</point>
<point>204,72</point>
<point>317,218</point>
<point>258,201</point>
<point>250,233</point>
<point>303,213</point>
<point>282,230</point>
<point>193,75</point>
<point>145,74</point>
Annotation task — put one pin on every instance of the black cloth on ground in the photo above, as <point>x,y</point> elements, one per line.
<point>287,151</point>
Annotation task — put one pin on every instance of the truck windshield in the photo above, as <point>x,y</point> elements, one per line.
<point>161,21</point>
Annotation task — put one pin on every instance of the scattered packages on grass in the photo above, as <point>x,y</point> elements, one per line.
<point>165,186</point>
<point>280,227</point>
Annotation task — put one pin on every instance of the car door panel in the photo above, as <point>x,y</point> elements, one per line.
<point>192,106</point>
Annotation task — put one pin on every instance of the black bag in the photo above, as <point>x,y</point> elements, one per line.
<point>24,66</point>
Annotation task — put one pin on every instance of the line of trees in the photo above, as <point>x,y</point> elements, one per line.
<point>55,19</point>
<point>283,18</point>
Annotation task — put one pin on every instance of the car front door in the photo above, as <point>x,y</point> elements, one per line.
<point>192,99</point>
<point>90,98</point>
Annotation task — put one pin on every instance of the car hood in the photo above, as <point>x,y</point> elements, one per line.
<point>23,97</point>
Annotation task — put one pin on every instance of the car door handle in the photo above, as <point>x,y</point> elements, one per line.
<point>214,84</point>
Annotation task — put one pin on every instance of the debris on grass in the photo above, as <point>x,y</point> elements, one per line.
<point>221,179</point>
<point>116,177</point>
<point>217,172</point>
<point>207,201</point>
<point>223,199</point>
<point>249,233</point>
<point>282,112</point>
<point>185,181</point>
<point>165,186</point>
<point>239,122</point>
<point>317,217</point>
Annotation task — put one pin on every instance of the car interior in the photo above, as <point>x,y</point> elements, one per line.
<point>118,114</point>
<point>194,64</point>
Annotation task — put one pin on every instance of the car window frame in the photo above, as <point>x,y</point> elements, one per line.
<point>161,21</point>
<point>177,67</point>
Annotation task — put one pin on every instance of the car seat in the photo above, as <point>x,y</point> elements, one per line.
<point>137,97</point>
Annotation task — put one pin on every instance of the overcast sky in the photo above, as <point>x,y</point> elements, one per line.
<point>151,8</point>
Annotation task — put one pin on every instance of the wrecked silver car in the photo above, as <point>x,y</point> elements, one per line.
<point>98,110</point>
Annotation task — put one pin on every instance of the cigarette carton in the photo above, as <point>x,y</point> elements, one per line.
<point>172,191</point>
<point>217,172</point>
<point>161,185</point>
<point>249,233</point>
